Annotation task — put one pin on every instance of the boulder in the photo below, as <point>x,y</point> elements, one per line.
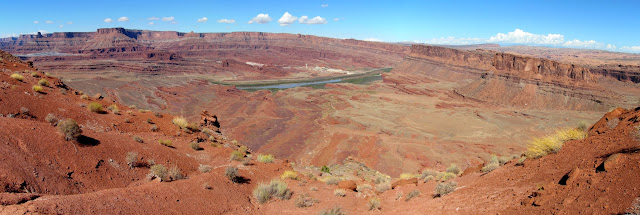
<point>402,182</point>
<point>570,177</point>
<point>610,163</point>
<point>348,185</point>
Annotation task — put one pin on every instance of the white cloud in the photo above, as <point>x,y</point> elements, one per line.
<point>454,41</point>
<point>261,19</point>
<point>630,48</point>
<point>582,44</point>
<point>60,26</point>
<point>69,23</point>
<point>108,20</point>
<point>324,5</point>
<point>9,35</point>
<point>611,47</point>
<point>203,19</point>
<point>48,22</point>
<point>153,18</point>
<point>336,19</point>
<point>521,37</point>
<point>287,19</point>
<point>315,20</point>
<point>151,23</point>
<point>174,22</point>
<point>228,21</point>
<point>371,39</point>
<point>36,22</point>
<point>168,19</point>
<point>123,19</point>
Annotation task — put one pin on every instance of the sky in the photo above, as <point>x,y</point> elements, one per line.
<point>608,25</point>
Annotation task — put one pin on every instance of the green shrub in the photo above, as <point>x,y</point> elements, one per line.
<point>340,192</point>
<point>37,88</point>
<point>166,143</point>
<point>411,195</point>
<point>454,169</point>
<point>276,188</point>
<point>445,188</point>
<point>194,146</point>
<point>17,76</point>
<point>51,118</point>
<point>159,171</point>
<point>95,107</point>
<point>138,139</point>
<point>70,129</point>
<point>175,174</point>
<point>373,204</point>
<point>236,156</point>
<point>232,174</point>
<point>132,159</point>
<point>289,174</point>
<point>204,168</point>
<point>382,187</point>
<point>539,147</point>
<point>492,165</point>
<point>325,169</point>
<point>304,201</point>
<point>43,82</point>
<point>265,158</point>
<point>333,211</point>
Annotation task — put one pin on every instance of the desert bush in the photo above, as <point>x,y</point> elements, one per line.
<point>17,76</point>
<point>445,188</point>
<point>325,169</point>
<point>181,122</point>
<point>47,74</point>
<point>502,160</point>
<point>428,172</point>
<point>411,195</point>
<point>429,178</point>
<point>333,181</point>
<point>380,180</point>
<point>491,165</point>
<point>24,110</point>
<point>175,174</point>
<point>159,171</point>
<point>194,146</point>
<point>539,147</point>
<point>453,168</point>
<point>138,139</point>
<point>582,126</point>
<point>114,109</point>
<point>43,82</point>
<point>289,174</point>
<point>383,187</point>
<point>332,211</point>
<point>635,207</point>
<point>127,120</point>
<point>35,75</point>
<point>132,159</point>
<point>154,128</point>
<point>70,129</point>
<point>340,192</point>
<point>445,176</point>
<point>265,158</point>
<point>521,160</point>
<point>166,143</point>
<point>95,107</point>
<point>399,195</point>
<point>408,175</point>
<point>204,168</point>
<point>37,88</point>
<point>276,188</point>
<point>304,201</point>
<point>236,155</point>
<point>373,204</point>
<point>363,188</point>
<point>232,174</point>
<point>85,97</point>
<point>157,115</point>
<point>51,118</point>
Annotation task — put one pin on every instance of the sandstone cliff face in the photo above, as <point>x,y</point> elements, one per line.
<point>521,66</point>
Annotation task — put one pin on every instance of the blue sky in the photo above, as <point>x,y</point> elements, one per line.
<point>609,25</point>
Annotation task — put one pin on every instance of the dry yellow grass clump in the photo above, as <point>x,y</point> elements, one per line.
<point>539,147</point>
<point>180,122</point>
<point>17,76</point>
<point>289,174</point>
